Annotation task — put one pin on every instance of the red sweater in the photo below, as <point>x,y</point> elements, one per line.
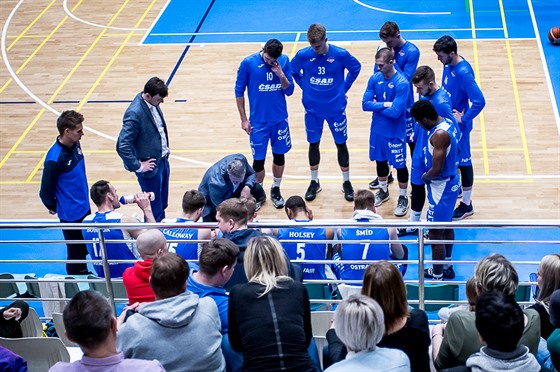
<point>136,280</point>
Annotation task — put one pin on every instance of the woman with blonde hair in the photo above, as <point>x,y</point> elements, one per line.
<point>405,329</point>
<point>270,316</point>
<point>548,280</point>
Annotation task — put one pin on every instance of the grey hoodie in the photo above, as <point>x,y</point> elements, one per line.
<point>182,332</point>
<point>519,360</point>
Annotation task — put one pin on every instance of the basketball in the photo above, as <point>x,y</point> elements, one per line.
<point>554,35</point>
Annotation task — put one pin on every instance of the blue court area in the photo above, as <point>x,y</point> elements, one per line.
<point>538,243</point>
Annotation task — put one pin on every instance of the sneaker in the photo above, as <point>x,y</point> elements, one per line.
<point>449,273</point>
<point>402,231</point>
<point>426,234</point>
<point>258,206</point>
<point>276,197</point>
<point>348,190</point>
<point>381,197</point>
<point>375,183</point>
<point>312,190</point>
<point>402,206</point>
<point>429,274</point>
<point>463,211</point>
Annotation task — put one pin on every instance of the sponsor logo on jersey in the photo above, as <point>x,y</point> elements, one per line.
<point>284,135</point>
<point>79,151</point>
<point>380,82</point>
<point>330,60</point>
<point>401,53</point>
<point>261,65</point>
<point>391,85</point>
<point>321,81</point>
<point>69,162</point>
<point>269,87</point>
<point>358,267</point>
<point>452,73</point>
<point>312,59</point>
<point>445,80</point>
<point>309,270</point>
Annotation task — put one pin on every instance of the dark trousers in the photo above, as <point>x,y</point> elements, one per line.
<point>159,185</point>
<point>76,251</point>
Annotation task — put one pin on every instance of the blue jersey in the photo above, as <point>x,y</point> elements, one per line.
<point>322,79</point>
<point>218,294</point>
<point>389,122</point>
<point>362,251</point>
<point>187,250</point>
<point>452,158</point>
<point>64,187</point>
<point>267,99</point>
<point>306,251</point>
<point>115,251</point>
<point>459,82</point>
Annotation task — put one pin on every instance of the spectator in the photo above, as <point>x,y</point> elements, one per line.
<point>270,317</point>
<point>179,329</point>
<point>136,279</point>
<point>404,329</point>
<point>90,323</point>
<point>193,204</point>
<point>11,362</point>
<point>470,290</point>
<point>455,341</point>
<point>230,177</point>
<point>11,317</point>
<point>553,342</point>
<point>499,321</point>
<point>360,323</point>
<point>105,197</point>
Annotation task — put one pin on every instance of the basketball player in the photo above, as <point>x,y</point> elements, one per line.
<point>319,71</point>
<point>459,82</point>
<point>267,86</point>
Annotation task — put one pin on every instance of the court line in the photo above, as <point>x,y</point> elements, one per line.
<point>545,66</point>
<point>71,15</point>
<point>399,12</point>
<point>294,47</point>
<point>516,94</point>
<point>477,76</point>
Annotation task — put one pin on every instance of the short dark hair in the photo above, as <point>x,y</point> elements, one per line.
<point>316,32</point>
<point>68,120</point>
<point>156,86</point>
<point>423,109</point>
<point>386,54</point>
<point>445,44</point>
<point>273,48</point>
<point>98,192</point>
<point>233,209</point>
<point>193,200</point>
<point>216,254</point>
<point>169,275</point>
<point>499,320</point>
<point>87,319</point>
<point>363,199</point>
<point>389,29</point>
<point>423,74</point>
<point>295,203</point>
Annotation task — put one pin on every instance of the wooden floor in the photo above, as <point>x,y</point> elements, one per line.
<point>516,144</point>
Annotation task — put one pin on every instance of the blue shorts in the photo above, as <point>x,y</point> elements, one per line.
<point>278,134</point>
<point>442,196</point>
<point>392,150</point>
<point>337,124</point>
<point>465,157</point>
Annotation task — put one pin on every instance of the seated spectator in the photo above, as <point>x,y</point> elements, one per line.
<point>230,177</point>
<point>297,211</point>
<point>553,342</point>
<point>405,329</point>
<point>105,197</point>
<point>499,321</point>
<point>359,322</point>
<point>11,317</point>
<point>11,362</point>
<point>270,317</point>
<point>193,204</point>
<point>179,329</point>
<point>136,279</point>
<point>90,323</point>
<point>470,289</point>
<point>364,211</point>
<point>454,342</point>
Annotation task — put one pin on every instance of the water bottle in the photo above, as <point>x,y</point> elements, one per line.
<point>128,199</point>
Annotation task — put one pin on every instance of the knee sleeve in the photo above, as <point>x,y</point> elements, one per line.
<point>418,197</point>
<point>411,146</point>
<point>382,168</point>
<point>258,165</point>
<point>402,175</point>
<point>343,155</point>
<point>278,159</point>
<point>314,154</point>
<point>467,175</point>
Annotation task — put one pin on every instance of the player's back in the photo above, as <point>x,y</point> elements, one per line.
<point>186,248</point>
<point>451,161</point>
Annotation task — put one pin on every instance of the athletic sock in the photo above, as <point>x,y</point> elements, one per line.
<point>346,176</point>
<point>402,192</point>
<point>467,196</point>
<point>314,175</point>
<point>276,181</point>
<point>447,266</point>
<point>414,216</point>
<point>383,185</point>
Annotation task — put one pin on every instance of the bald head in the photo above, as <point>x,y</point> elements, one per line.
<point>150,242</point>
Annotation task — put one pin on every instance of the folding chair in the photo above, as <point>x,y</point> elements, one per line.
<point>8,289</point>
<point>61,330</point>
<point>320,324</point>
<point>32,326</point>
<point>435,292</point>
